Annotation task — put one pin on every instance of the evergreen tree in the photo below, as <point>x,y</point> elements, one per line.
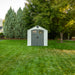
<point>19,26</point>
<point>9,25</point>
<point>27,20</point>
<point>6,24</point>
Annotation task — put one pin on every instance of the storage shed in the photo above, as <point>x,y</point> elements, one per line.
<point>37,36</point>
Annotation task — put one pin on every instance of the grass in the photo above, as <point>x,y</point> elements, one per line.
<point>16,58</point>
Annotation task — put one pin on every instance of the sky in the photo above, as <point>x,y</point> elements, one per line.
<point>6,4</point>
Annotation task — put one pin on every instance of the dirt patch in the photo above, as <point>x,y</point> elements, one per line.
<point>69,51</point>
<point>65,51</point>
<point>62,51</point>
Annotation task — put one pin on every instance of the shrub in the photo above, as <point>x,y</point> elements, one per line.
<point>1,35</point>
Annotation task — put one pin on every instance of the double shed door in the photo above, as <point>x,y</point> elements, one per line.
<point>37,38</point>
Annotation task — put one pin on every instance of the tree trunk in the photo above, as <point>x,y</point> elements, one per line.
<point>61,36</point>
<point>68,36</point>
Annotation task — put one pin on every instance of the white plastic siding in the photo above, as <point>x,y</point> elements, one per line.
<point>29,38</point>
<point>45,38</point>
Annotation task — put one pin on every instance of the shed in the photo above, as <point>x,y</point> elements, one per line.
<point>37,36</point>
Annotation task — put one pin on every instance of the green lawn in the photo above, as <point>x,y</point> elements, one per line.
<point>16,58</point>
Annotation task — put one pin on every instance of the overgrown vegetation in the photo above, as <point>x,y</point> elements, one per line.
<point>16,58</point>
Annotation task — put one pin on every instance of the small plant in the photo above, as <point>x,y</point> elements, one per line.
<point>1,35</point>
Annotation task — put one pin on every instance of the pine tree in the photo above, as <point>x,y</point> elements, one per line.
<point>6,24</point>
<point>19,24</point>
<point>27,20</point>
<point>9,25</point>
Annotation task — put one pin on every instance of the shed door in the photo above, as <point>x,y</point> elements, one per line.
<point>37,38</point>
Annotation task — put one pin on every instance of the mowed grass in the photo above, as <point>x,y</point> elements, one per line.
<point>16,58</point>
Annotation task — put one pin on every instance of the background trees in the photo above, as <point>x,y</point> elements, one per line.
<point>27,20</point>
<point>54,15</point>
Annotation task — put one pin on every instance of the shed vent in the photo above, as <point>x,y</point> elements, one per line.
<point>37,26</point>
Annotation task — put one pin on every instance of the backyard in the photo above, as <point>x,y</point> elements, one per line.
<point>16,58</point>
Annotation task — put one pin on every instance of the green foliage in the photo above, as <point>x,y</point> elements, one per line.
<point>40,13</point>
<point>18,59</point>
<point>9,25</point>
<point>1,35</point>
<point>50,14</point>
<point>19,25</point>
<point>27,21</point>
<point>3,22</point>
<point>53,15</point>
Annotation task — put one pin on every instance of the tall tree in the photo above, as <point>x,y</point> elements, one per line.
<point>61,17</point>
<point>27,20</point>
<point>9,25</point>
<point>51,14</point>
<point>70,27</point>
<point>40,12</point>
<point>19,26</point>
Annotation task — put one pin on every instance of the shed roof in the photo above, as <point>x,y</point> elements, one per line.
<point>37,27</point>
